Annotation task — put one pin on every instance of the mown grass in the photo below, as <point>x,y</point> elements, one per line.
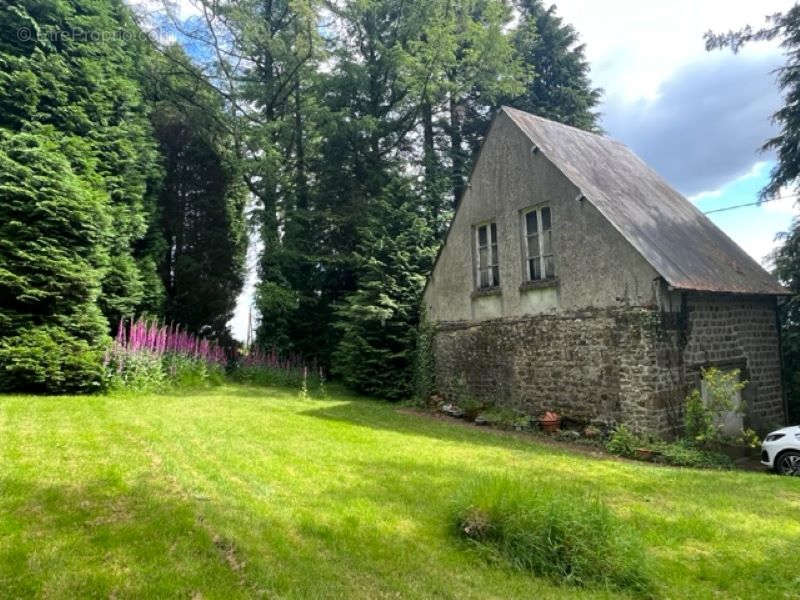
<point>246,492</point>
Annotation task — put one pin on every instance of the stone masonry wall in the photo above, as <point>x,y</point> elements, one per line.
<point>632,365</point>
<point>739,333</point>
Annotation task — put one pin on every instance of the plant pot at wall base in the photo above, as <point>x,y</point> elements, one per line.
<point>647,454</point>
<point>550,422</point>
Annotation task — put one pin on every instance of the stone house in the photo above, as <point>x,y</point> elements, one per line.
<point>573,278</point>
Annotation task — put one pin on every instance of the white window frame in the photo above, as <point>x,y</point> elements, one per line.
<point>492,254</point>
<point>540,238</point>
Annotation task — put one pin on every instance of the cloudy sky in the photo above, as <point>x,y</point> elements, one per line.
<point>697,117</point>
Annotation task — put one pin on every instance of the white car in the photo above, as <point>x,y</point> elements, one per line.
<point>781,451</point>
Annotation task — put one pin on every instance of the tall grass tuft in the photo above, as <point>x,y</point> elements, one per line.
<point>563,536</point>
<point>148,356</point>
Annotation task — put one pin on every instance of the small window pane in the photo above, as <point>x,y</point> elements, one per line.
<point>530,223</point>
<point>550,268</point>
<point>495,275</point>
<point>483,259</point>
<point>545,218</point>
<point>484,278</point>
<point>494,254</point>
<point>494,233</point>
<point>536,268</point>
<point>547,247</point>
<point>533,246</point>
<point>482,235</point>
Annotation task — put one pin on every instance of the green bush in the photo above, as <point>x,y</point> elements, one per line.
<point>623,441</point>
<point>48,359</point>
<point>701,416</point>
<point>683,453</point>
<point>563,536</point>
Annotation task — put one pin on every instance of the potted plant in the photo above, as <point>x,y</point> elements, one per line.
<point>550,421</point>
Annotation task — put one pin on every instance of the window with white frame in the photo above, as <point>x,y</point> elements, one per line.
<point>539,263</point>
<point>487,262</point>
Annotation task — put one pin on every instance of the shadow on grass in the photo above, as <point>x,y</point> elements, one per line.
<point>101,539</point>
<point>388,417</point>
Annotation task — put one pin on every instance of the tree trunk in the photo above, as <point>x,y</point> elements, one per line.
<point>456,152</point>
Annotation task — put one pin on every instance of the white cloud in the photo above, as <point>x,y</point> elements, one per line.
<point>635,46</point>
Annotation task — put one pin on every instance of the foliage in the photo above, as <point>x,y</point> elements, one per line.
<point>505,418</point>
<point>75,162</point>
<point>73,76</point>
<point>424,361</point>
<point>698,421</point>
<point>80,180</point>
<point>623,441</point>
<point>685,454</point>
<point>749,439</point>
<point>147,357</point>
<point>379,319</point>
<point>49,359</point>
<point>560,535</point>
<point>54,221</point>
<point>702,416</point>
<point>140,372</point>
<point>198,233</point>
<point>702,432</point>
<point>466,400</point>
<point>560,88</point>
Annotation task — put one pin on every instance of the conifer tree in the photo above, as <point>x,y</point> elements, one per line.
<point>378,320</point>
<point>197,237</point>
<point>77,147</point>
<point>54,221</point>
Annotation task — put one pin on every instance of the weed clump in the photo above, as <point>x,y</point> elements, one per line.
<point>562,536</point>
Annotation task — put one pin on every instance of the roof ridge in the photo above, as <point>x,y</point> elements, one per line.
<point>551,122</point>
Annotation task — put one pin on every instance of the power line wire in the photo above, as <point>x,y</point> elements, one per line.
<point>723,209</point>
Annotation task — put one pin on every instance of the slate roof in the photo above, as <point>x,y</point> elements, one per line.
<point>678,240</point>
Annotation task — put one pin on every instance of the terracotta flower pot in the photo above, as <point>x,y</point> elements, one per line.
<point>550,422</point>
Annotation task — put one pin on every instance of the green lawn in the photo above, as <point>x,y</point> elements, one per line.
<point>243,492</point>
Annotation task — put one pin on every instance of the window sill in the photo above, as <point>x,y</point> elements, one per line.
<point>539,284</point>
<point>490,291</point>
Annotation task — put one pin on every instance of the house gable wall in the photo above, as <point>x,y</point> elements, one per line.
<point>596,267</point>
